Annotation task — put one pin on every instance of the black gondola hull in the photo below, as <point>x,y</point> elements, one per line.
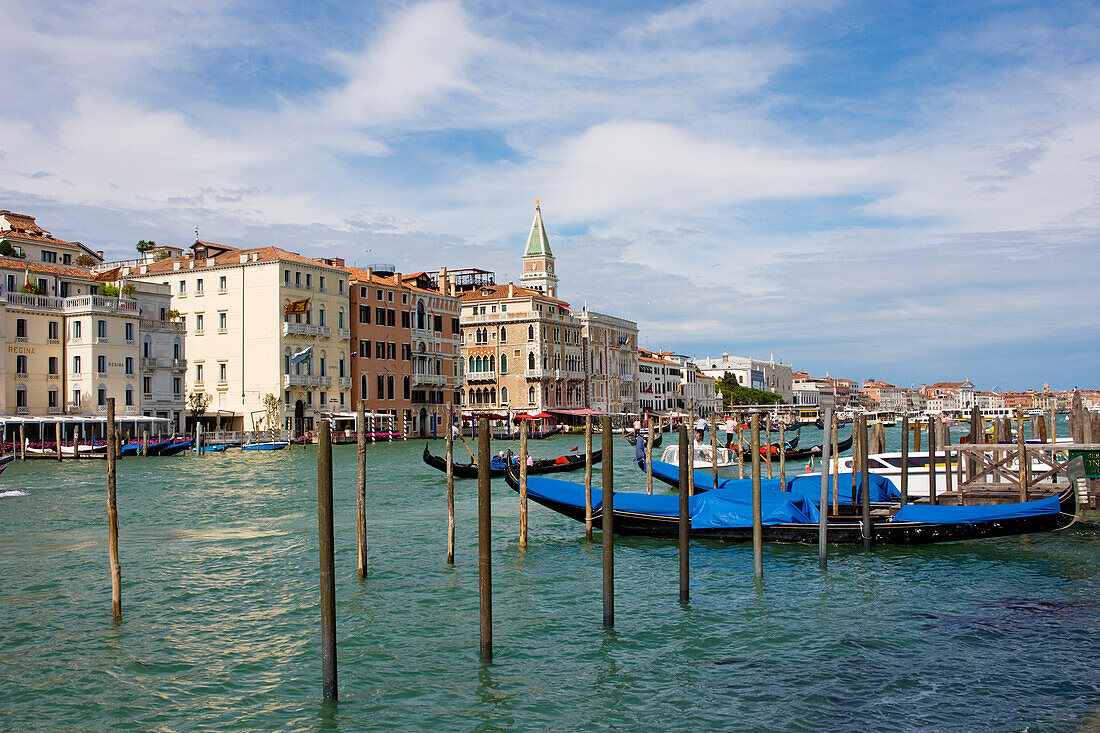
<point>542,466</point>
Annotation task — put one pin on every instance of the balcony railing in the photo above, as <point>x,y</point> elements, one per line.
<point>21,375</point>
<point>179,365</point>
<point>305,329</point>
<point>151,324</point>
<point>482,376</point>
<point>345,381</point>
<point>148,363</point>
<point>434,380</point>
<point>306,380</point>
<point>102,340</point>
<point>345,334</point>
<point>22,410</point>
<point>538,372</point>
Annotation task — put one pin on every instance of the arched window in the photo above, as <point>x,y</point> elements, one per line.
<point>362,386</point>
<point>321,316</point>
<point>531,360</point>
<point>493,395</point>
<point>530,333</point>
<point>177,349</point>
<point>503,395</point>
<point>471,364</point>
<point>147,348</point>
<point>21,396</point>
<point>129,395</point>
<point>503,363</point>
<point>286,360</point>
<point>530,395</point>
<point>340,318</point>
<point>503,334</point>
<point>491,360</point>
<point>420,315</point>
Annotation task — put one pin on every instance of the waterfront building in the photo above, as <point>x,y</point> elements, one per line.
<point>988,400</point>
<point>259,321</point>
<point>538,260</point>
<point>522,351</point>
<point>770,376</point>
<point>658,382</point>
<point>695,388</point>
<point>405,338</point>
<point>886,396</point>
<point>610,362</point>
<point>815,392</point>
<point>22,238</point>
<point>952,396</point>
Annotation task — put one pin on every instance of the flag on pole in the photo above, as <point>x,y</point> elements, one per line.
<point>296,307</point>
<point>303,355</point>
<point>27,277</point>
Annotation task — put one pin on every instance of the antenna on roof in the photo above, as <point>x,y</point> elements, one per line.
<point>196,234</point>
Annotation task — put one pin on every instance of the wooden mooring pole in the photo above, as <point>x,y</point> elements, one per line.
<point>768,441</point>
<point>522,484</point>
<point>757,520</point>
<point>588,477</point>
<point>783,459</point>
<point>361,487</point>
<point>714,449</point>
<point>1021,452</point>
<point>649,458</point>
<point>327,548</point>
<point>684,527</point>
<point>836,464</point>
<point>450,485</point>
<point>484,542</point>
<point>932,459</point>
<point>112,514</point>
<point>144,443</point>
<point>904,460</point>
<point>865,484</point>
<point>607,529</point>
<point>823,503</point>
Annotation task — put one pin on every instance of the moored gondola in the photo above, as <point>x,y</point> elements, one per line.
<point>792,517</point>
<point>632,438</point>
<point>541,465</point>
<point>815,450</point>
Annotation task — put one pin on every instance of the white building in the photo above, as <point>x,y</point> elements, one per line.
<point>770,376</point>
<point>611,362</point>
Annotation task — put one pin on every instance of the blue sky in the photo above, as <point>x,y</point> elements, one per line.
<point>905,191</point>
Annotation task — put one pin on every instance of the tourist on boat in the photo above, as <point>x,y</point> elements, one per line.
<point>498,461</point>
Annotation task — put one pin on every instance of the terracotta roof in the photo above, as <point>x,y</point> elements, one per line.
<point>500,292</point>
<point>232,257</point>
<point>14,263</point>
<point>356,275</point>
<point>107,275</point>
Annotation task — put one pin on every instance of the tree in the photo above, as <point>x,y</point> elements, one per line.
<point>738,394</point>
<point>197,402</point>
<point>272,407</point>
<point>172,314</point>
<point>128,290</point>
<point>144,246</point>
<point>162,255</point>
<point>85,260</point>
<point>32,289</point>
<point>108,290</point>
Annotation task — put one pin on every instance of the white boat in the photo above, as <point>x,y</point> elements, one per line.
<point>69,450</point>
<point>4,461</point>
<point>703,459</point>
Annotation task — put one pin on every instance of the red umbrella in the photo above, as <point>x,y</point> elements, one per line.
<point>536,416</point>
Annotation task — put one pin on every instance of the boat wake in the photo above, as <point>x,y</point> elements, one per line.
<point>14,492</point>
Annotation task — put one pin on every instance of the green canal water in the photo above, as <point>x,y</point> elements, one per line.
<point>220,604</point>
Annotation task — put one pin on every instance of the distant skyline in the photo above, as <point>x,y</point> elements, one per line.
<point>905,191</point>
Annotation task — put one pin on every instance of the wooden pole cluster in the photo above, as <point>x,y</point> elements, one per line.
<point>607,512</point>
<point>740,448</point>
<point>112,513</point>
<point>932,460</point>
<point>783,459</point>
<point>757,520</point>
<point>823,503</point>
<point>684,518</point>
<point>714,448</point>
<point>484,543</point>
<point>768,442</point>
<point>836,464</point>
<point>588,477</point>
<point>327,547</point>
<point>361,488</point>
<point>1021,448</point>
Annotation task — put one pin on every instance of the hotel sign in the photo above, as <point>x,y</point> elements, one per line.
<point>20,349</point>
<point>1091,459</point>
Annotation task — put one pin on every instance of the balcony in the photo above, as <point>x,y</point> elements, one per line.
<point>150,324</point>
<point>324,331</point>
<point>24,410</point>
<point>76,340</point>
<point>53,376</point>
<point>53,342</point>
<point>431,380</point>
<point>345,381</point>
<point>538,373</point>
<point>21,375</point>
<point>53,410</point>
<point>22,339</point>
<point>303,329</point>
<point>101,375</point>
<point>131,342</point>
<point>146,396</point>
<point>101,304</point>
<point>345,334</point>
<point>304,380</point>
<point>102,340</point>
<point>148,363</point>
<point>482,376</point>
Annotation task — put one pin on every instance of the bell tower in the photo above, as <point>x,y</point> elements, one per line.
<point>538,260</point>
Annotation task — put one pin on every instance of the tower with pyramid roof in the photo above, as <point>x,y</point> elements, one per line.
<point>538,260</point>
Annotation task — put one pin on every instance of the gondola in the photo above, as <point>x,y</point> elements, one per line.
<point>266,445</point>
<point>152,448</point>
<point>541,465</point>
<point>5,460</point>
<point>726,514</point>
<point>177,447</point>
<point>535,435</point>
<point>632,438</point>
<point>814,451</point>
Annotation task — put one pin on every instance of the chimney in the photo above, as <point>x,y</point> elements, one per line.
<point>370,273</point>
<point>175,264</point>
<point>244,257</point>
<point>100,253</point>
<point>443,284</point>
<point>511,290</point>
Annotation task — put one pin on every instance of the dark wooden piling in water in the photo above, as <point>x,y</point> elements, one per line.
<point>904,460</point>
<point>484,543</point>
<point>783,458</point>
<point>757,520</point>
<point>23,443</point>
<point>916,437</point>
<point>947,467</point>
<point>931,459</point>
<point>588,477</point>
<point>865,484</point>
<point>327,548</point>
<point>450,485</point>
<point>361,487</point>
<point>112,513</point>
<point>58,434</point>
<point>740,448</point>
<point>685,519</point>
<point>768,441</point>
<point>1044,435</point>
<point>523,484</point>
<point>823,503</point>
<point>144,443</point>
<point>607,513</point>
<point>1021,448</point>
